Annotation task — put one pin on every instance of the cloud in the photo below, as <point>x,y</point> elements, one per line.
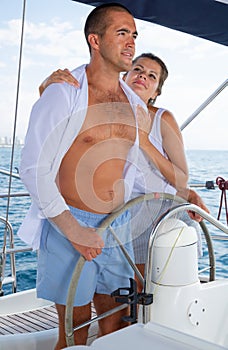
<point>161,37</point>
<point>10,34</point>
<point>53,39</point>
<point>46,47</point>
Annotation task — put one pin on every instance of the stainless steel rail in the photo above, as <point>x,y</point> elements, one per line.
<point>16,194</point>
<point>204,104</point>
<point>8,248</point>
<point>12,279</point>
<point>8,173</point>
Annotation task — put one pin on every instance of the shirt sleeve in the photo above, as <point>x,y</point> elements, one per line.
<point>43,151</point>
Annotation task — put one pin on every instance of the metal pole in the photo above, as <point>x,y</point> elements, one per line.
<point>204,104</point>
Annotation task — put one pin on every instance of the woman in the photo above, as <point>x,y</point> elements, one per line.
<point>162,163</point>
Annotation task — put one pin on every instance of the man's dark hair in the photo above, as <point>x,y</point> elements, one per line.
<point>98,19</point>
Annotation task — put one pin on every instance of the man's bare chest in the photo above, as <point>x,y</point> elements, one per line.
<point>108,121</point>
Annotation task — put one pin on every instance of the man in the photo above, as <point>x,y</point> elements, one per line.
<point>79,144</point>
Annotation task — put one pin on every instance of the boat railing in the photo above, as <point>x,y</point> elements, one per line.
<point>9,249</point>
<point>12,279</point>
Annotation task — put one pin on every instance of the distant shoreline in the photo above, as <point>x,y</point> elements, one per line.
<point>186,150</point>
<point>8,146</point>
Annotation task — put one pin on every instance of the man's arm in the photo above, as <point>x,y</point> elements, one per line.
<point>84,239</point>
<point>41,158</point>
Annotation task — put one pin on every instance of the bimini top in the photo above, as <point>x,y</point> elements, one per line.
<point>207,19</point>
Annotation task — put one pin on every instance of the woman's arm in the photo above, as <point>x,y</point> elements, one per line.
<point>175,168</point>
<point>59,76</point>
<point>192,197</point>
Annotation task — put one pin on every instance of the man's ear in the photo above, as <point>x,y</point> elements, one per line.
<point>93,40</point>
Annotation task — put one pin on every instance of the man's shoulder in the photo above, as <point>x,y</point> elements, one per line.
<point>79,72</point>
<point>76,94</point>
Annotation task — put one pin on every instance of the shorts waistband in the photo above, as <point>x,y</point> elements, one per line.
<point>86,214</point>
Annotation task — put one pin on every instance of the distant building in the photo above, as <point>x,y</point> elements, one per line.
<point>7,141</point>
<point>4,141</point>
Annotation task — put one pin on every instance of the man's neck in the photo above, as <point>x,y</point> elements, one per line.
<point>103,78</point>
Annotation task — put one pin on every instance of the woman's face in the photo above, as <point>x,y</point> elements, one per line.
<point>144,78</point>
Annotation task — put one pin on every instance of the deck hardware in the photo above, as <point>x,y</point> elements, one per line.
<point>196,312</point>
<point>130,296</point>
<point>210,185</point>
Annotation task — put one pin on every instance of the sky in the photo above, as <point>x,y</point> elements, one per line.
<point>54,38</point>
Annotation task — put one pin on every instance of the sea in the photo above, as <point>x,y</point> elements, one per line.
<point>204,166</point>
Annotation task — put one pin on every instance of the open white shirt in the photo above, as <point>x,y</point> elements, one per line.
<point>55,121</point>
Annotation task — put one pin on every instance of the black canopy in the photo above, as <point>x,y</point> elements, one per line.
<point>207,19</point>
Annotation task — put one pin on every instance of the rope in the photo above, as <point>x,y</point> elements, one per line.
<point>223,186</point>
<point>167,261</point>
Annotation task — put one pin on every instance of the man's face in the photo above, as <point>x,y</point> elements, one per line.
<point>117,45</point>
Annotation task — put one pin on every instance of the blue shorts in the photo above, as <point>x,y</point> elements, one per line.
<point>57,260</point>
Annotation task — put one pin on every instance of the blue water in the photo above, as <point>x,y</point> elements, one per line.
<point>203,166</point>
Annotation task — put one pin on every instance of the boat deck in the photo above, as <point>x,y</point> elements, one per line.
<point>41,319</point>
<point>30,321</point>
